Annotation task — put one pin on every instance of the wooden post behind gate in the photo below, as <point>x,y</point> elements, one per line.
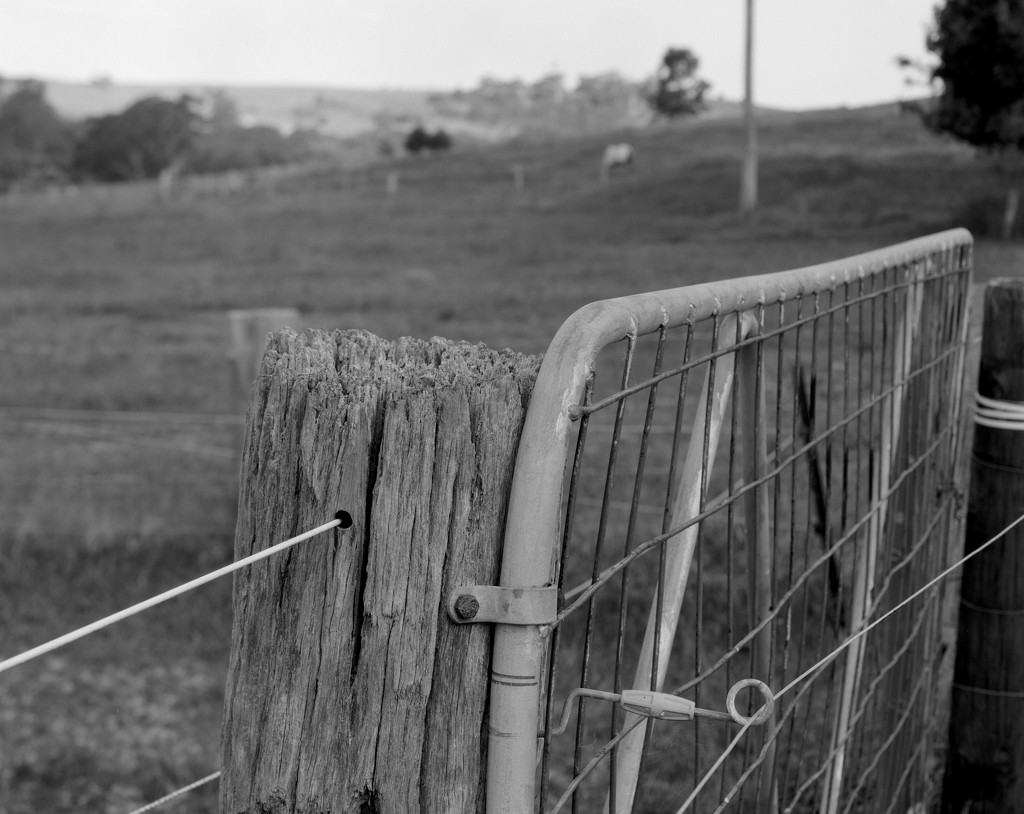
<point>985,760</point>
<point>349,690</point>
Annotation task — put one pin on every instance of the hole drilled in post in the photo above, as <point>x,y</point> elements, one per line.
<point>344,518</point>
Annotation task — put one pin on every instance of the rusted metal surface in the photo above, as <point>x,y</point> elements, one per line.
<point>745,533</point>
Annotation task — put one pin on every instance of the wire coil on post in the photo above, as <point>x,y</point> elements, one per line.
<point>998,414</point>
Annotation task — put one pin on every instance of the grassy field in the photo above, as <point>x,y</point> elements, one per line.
<point>122,307</point>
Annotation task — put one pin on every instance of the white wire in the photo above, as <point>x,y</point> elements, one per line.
<point>99,624</point>
<point>183,790</point>
<point>1001,415</point>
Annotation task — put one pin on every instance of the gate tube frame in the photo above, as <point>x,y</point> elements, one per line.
<point>534,511</point>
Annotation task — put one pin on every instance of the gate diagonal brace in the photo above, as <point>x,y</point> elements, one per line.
<point>503,606</point>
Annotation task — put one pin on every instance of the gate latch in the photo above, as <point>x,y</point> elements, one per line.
<point>503,606</point>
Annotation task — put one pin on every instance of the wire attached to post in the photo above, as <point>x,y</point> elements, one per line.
<point>183,790</point>
<point>342,520</point>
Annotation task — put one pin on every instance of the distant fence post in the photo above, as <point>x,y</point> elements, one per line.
<point>349,689</point>
<point>985,760</point>
<point>249,329</point>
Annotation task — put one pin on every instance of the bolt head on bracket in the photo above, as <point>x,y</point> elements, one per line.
<point>503,606</point>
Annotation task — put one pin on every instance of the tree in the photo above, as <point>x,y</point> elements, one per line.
<point>549,89</point>
<point>417,140</point>
<point>420,140</point>
<point>141,142</point>
<point>980,48</point>
<point>441,141</point>
<point>242,148</point>
<point>224,115</point>
<point>35,144</point>
<point>677,90</point>
<point>979,78</point>
<point>604,90</point>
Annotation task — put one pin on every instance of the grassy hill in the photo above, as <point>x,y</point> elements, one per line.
<point>120,305</point>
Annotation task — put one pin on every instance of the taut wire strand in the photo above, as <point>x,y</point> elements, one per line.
<point>828,658</point>
<point>99,624</point>
<point>928,585</point>
<point>202,781</point>
<point>822,662</point>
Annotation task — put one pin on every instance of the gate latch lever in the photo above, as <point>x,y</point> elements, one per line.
<point>665,707</point>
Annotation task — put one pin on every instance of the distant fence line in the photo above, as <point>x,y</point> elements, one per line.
<point>128,194</point>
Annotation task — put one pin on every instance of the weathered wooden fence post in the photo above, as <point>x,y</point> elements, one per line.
<point>985,761</point>
<point>349,689</point>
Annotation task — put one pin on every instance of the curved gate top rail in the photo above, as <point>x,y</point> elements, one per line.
<point>534,526</point>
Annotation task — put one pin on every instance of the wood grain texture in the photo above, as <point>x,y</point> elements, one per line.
<point>348,689</point>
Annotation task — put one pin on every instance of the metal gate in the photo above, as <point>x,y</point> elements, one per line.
<point>726,482</point>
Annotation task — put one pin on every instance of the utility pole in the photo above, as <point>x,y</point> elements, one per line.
<point>748,183</point>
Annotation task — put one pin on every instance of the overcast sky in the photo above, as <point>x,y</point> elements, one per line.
<point>809,53</point>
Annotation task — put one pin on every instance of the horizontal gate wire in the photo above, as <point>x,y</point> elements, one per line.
<point>342,519</point>
<point>871,296</point>
<point>796,681</point>
<point>900,605</point>
<point>823,437</point>
<point>648,545</point>
<point>717,503</point>
<point>802,579</point>
<point>831,656</point>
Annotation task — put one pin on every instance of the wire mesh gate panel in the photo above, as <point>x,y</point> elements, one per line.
<point>728,482</point>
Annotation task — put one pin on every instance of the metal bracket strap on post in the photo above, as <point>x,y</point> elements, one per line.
<point>503,606</point>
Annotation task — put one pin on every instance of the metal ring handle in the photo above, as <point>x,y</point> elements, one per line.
<point>759,717</point>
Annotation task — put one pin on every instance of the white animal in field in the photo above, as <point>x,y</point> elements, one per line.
<point>616,155</point>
